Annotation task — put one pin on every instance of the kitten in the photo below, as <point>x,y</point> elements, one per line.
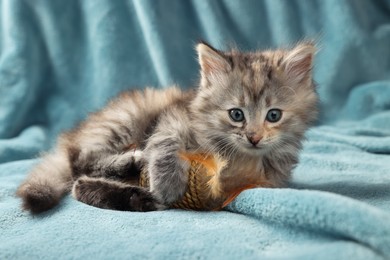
<point>250,108</point>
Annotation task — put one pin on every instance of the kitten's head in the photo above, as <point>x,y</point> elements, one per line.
<point>255,102</point>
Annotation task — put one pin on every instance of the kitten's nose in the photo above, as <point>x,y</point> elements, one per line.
<point>253,138</point>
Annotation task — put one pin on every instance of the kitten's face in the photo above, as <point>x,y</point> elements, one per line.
<point>255,102</point>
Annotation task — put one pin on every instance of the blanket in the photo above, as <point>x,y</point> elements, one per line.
<point>60,60</point>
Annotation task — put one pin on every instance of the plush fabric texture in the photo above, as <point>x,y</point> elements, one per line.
<point>61,59</point>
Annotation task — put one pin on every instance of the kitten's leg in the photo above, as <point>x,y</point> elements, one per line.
<point>122,166</point>
<point>100,178</point>
<point>167,171</point>
<point>101,193</point>
<point>117,166</point>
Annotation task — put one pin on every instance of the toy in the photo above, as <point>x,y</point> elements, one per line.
<point>204,188</point>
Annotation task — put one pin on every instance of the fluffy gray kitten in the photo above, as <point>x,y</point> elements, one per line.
<point>250,108</point>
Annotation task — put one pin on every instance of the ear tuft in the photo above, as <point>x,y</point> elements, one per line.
<point>212,61</point>
<point>299,61</point>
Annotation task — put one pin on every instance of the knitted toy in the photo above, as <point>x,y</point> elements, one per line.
<point>204,187</point>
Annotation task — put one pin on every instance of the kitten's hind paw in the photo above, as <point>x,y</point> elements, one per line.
<point>142,200</point>
<point>102,193</point>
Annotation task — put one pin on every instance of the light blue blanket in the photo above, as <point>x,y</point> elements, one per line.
<point>61,59</point>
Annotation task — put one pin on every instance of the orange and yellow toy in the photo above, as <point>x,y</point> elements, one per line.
<point>203,180</point>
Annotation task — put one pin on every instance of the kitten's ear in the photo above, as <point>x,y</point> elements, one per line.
<point>298,62</point>
<point>212,62</point>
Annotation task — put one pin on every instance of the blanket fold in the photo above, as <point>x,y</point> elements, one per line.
<point>319,212</point>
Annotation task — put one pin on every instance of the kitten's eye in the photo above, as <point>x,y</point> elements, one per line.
<point>274,115</point>
<point>236,115</point>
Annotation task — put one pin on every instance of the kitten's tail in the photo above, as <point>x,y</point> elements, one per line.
<point>48,182</point>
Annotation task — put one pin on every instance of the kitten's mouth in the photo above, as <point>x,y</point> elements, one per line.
<point>255,147</point>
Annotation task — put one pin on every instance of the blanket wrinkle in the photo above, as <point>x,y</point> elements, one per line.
<point>60,60</point>
<point>152,40</point>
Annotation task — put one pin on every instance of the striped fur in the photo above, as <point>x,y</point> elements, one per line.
<point>99,161</point>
